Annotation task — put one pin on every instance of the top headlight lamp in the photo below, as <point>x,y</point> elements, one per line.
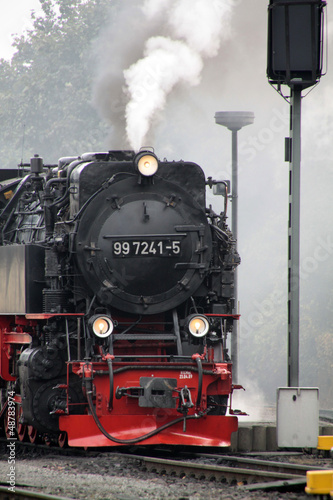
<point>146,163</point>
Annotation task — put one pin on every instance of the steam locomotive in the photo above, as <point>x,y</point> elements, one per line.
<point>116,300</point>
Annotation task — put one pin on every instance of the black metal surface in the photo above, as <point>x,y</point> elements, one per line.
<point>88,176</point>
<point>127,219</point>
<point>8,173</point>
<point>142,246</point>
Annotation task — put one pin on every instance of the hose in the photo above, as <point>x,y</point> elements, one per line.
<point>200,371</point>
<point>109,362</point>
<point>138,439</point>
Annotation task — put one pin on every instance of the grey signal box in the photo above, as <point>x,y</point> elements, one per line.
<point>297,420</point>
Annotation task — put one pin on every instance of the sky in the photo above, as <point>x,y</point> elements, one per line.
<point>14,19</point>
<point>236,80</point>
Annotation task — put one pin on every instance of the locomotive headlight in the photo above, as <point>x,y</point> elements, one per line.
<point>198,325</point>
<point>102,326</point>
<point>146,163</point>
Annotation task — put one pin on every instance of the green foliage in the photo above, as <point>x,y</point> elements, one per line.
<point>45,90</point>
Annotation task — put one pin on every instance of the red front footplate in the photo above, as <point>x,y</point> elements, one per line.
<point>210,430</point>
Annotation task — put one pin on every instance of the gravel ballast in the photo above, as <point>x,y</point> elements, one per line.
<point>106,476</point>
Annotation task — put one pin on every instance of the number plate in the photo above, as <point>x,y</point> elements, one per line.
<point>146,248</point>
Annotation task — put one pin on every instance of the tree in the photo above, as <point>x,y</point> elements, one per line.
<point>45,90</point>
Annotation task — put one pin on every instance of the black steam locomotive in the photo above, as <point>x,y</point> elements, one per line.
<point>116,299</point>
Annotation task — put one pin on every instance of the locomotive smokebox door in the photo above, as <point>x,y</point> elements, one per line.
<point>157,392</point>
<point>131,234</point>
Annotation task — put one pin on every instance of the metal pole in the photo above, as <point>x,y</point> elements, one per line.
<point>234,174</point>
<point>234,229</point>
<point>294,238</point>
<point>234,121</point>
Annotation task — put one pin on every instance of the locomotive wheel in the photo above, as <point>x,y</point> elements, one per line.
<point>6,427</point>
<point>62,439</point>
<point>21,429</point>
<point>33,434</point>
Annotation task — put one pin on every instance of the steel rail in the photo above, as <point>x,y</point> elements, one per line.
<point>263,465</point>
<point>245,471</point>
<point>220,473</point>
<point>20,494</point>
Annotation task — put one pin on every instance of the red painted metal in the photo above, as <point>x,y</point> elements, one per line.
<point>12,338</point>
<point>207,431</point>
<point>10,342</point>
<point>16,338</point>
<point>32,434</point>
<point>52,315</point>
<point>127,375</point>
<point>233,316</point>
<point>127,420</point>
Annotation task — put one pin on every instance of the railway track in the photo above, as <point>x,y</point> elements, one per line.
<point>248,473</point>
<point>24,494</point>
<point>222,461</point>
<point>241,471</point>
<point>260,464</point>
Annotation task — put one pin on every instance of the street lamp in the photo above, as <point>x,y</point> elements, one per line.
<point>234,121</point>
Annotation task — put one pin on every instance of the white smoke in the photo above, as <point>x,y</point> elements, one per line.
<point>149,81</point>
<point>195,31</point>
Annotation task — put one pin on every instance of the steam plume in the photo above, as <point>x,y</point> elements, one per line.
<point>195,30</point>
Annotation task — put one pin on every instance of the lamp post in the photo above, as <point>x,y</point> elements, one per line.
<point>234,121</point>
